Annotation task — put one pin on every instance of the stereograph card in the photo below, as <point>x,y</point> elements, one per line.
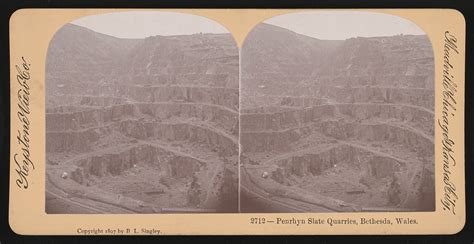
<point>237,121</point>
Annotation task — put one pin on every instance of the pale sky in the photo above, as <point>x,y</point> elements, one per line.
<point>341,25</point>
<point>328,25</point>
<point>141,24</point>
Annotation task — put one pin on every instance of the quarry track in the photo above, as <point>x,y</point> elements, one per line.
<point>401,126</point>
<point>215,95</point>
<point>207,126</point>
<point>138,104</point>
<point>249,190</point>
<point>335,104</point>
<point>319,149</point>
<point>123,147</point>
<point>418,97</point>
<point>93,205</point>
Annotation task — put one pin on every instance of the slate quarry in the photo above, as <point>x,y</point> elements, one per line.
<point>170,124</point>
<point>141,125</point>
<point>336,125</point>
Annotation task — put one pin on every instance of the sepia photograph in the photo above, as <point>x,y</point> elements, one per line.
<point>337,114</point>
<point>142,115</point>
<point>220,121</point>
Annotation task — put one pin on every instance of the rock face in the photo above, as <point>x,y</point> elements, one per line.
<point>141,125</point>
<point>339,125</point>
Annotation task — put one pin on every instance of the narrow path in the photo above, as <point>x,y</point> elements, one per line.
<point>313,124</point>
<point>339,103</point>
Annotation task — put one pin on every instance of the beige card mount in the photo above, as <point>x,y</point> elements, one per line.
<point>237,121</point>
